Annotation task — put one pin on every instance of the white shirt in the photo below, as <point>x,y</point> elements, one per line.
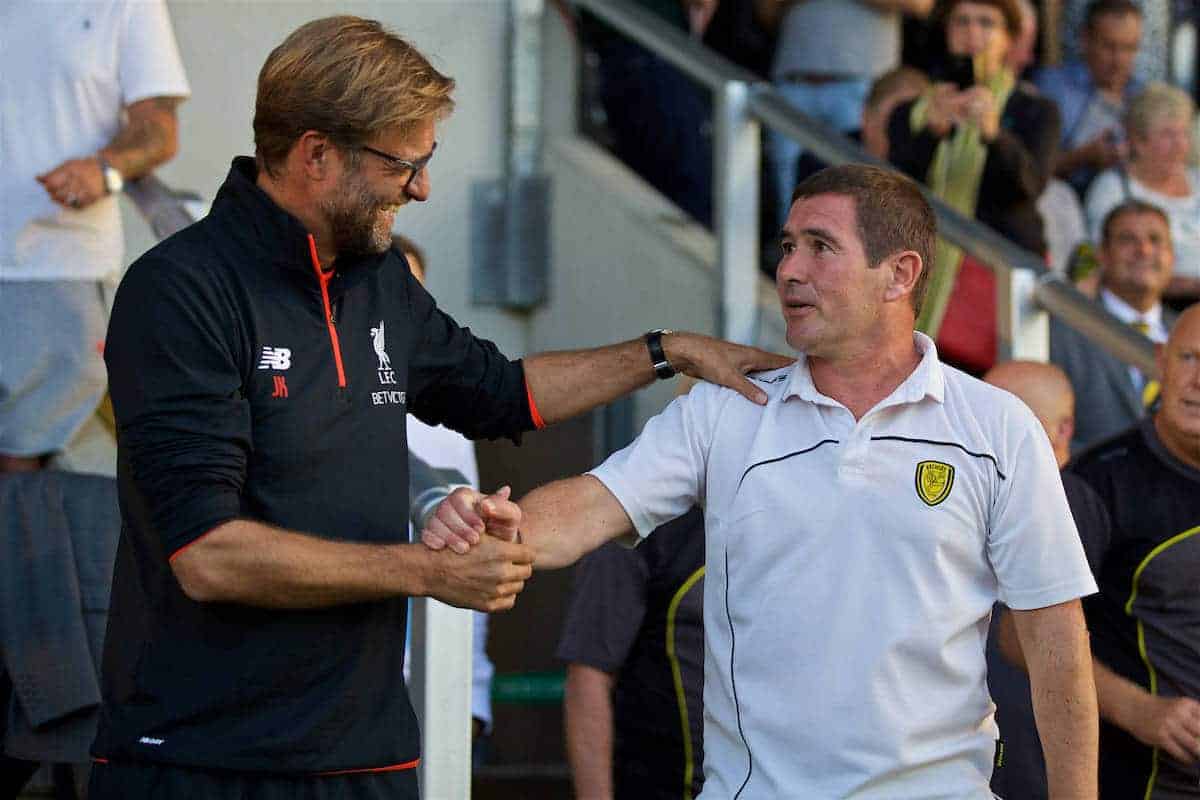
<point>443,448</point>
<point>69,70</point>
<point>845,616</point>
<point>1156,330</point>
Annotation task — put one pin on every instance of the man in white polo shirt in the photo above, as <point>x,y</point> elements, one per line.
<point>88,102</point>
<point>859,527</point>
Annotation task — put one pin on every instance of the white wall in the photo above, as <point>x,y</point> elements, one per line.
<point>225,43</point>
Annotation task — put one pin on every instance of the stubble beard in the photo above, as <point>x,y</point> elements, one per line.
<point>358,224</point>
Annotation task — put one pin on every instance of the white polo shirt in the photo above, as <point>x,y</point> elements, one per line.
<point>852,567</point>
<point>69,69</point>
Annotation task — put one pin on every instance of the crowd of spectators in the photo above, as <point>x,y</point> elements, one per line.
<point>1034,118</point>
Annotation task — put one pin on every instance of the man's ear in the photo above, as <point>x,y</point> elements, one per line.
<point>316,155</point>
<point>905,268</point>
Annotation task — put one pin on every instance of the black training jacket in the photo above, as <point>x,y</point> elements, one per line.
<point>245,384</point>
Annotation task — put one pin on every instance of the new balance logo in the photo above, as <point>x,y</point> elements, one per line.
<point>275,358</point>
<point>280,386</point>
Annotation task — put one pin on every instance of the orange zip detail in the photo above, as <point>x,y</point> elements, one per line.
<point>323,278</point>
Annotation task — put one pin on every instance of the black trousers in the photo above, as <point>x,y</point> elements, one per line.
<point>126,781</point>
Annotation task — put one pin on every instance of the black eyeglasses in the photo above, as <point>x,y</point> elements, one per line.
<point>416,166</point>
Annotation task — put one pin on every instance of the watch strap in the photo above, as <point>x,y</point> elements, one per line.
<point>658,357</point>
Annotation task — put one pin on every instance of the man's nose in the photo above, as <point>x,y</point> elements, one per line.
<point>420,187</point>
<point>789,268</point>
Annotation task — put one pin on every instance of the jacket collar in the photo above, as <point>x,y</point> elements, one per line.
<point>270,232</point>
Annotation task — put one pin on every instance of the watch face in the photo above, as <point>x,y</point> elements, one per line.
<point>113,181</point>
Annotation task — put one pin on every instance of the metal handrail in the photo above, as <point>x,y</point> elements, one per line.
<point>764,103</point>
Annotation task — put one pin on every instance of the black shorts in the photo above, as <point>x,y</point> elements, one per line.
<point>127,781</point>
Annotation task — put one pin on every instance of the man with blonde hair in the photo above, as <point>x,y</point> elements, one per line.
<point>262,362</point>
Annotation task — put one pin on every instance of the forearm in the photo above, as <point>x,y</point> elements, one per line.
<point>248,562</point>
<point>1120,700</point>
<point>567,383</point>
<point>567,519</point>
<point>148,138</point>
<point>1055,643</point>
<point>587,708</point>
<point>1068,161</point>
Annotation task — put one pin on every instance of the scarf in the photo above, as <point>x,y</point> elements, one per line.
<point>954,177</point>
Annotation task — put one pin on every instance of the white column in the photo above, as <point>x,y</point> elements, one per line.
<point>736,167</point>
<point>441,691</point>
<point>1023,328</point>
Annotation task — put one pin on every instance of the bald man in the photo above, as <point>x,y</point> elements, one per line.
<point>1145,639</point>
<point>1047,391</point>
<point>1020,770</point>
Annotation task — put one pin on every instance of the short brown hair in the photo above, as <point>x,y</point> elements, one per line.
<point>891,212</point>
<point>348,78</point>
<point>1008,8</point>
<point>1129,207</point>
<point>1101,8</point>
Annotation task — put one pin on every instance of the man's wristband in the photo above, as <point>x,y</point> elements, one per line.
<point>658,358</point>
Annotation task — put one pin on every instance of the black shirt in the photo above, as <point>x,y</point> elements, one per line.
<point>638,614</point>
<point>1020,161</point>
<point>236,395</point>
<point>1020,769</point>
<point>1145,622</point>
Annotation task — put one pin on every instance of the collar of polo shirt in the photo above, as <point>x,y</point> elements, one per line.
<point>927,380</point>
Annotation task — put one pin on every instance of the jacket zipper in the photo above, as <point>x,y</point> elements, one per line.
<point>323,278</point>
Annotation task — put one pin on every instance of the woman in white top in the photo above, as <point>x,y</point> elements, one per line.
<point>1158,125</point>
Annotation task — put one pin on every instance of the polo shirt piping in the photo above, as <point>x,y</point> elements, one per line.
<point>737,705</point>
<point>677,679</point>
<point>1143,650</point>
<point>914,440</point>
<point>781,458</point>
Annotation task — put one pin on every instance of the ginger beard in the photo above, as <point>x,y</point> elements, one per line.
<point>360,220</point>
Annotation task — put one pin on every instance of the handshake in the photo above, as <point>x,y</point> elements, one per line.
<point>475,541</point>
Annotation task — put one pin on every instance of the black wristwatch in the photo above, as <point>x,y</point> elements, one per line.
<point>662,367</point>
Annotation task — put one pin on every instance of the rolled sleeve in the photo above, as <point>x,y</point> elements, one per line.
<point>1033,544</point>
<point>183,427</point>
<point>662,473</point>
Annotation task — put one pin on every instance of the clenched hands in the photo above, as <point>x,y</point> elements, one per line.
<point>490,569</point>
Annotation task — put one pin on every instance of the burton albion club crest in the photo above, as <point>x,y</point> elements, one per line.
<point>934,481</point>
<point>386,374</point>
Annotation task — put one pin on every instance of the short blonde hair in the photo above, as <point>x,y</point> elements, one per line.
<point>1156,101</point>
<point>348,78</point>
